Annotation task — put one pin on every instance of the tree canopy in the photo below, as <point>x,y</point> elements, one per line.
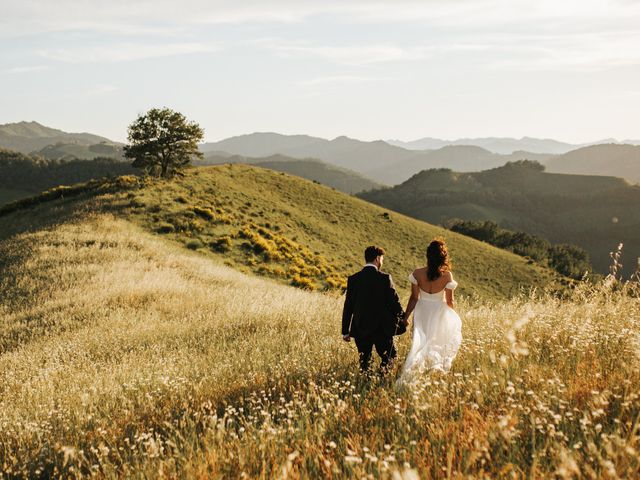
<point>163,142</point>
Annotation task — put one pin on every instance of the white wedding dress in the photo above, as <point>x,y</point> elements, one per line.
<point>437,333</point>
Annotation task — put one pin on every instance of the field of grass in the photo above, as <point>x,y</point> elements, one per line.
<point>125,355</point>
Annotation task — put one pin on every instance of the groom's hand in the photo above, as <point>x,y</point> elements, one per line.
<point>346,338</point>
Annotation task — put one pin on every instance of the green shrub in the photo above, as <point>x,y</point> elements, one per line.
<point>194,244</point>
<point>166,228</point>
<point>204,212</point>
<point>222,244</point>
<point>303,282</point>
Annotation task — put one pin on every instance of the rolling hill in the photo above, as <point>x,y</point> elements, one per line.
<point>377,160</point>
<point>287,228</point>
<point>593,212</point>
<point>27,137</point>
<point>610,159</point>
<point>124,355</point>
<point>339,178</point>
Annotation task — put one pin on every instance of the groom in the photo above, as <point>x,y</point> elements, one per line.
<point>371,310</point>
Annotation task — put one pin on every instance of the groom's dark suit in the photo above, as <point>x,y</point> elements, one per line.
<point>371,310</point>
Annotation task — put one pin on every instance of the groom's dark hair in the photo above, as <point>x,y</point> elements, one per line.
<point>372,252</point>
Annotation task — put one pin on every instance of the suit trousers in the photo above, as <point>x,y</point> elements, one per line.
<point>384,346</point>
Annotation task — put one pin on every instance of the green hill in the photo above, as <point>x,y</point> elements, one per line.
<point>124,354</point>
<point>610,159</point>
<point>27,137</point>
<point>593,212</point>
<point>290,229</point>
<point>339,178</point>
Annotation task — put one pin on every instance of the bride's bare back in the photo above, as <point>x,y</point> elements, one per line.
<point>433,286</point>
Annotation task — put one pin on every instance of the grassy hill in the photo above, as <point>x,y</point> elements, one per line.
<point>339,178</point>
<point>298,232</point>
<point>124,355</point>
<point>387,164</point>
<point>593,212</point>
<point>611,159</point>
<point>27,137</point>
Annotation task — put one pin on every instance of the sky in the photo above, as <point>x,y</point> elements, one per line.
<point>563,69</point>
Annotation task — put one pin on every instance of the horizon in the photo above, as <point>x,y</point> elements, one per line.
<point>386,140</point>
<point>364,69</point>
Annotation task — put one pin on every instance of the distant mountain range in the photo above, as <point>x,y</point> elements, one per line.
<point>378,160</point>
<point>611,159</point>
<point>593,212</point>
<point>27,137</point>
<point>318,171</point>
<point>505,145</point>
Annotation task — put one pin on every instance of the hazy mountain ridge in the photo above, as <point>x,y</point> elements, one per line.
<point>27,137</point>
<point>593,212</point>
<point>377,160</point>
<point>505,145</point>
<point>607,159</point>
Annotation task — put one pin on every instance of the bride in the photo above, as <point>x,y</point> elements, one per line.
<point>436,326</point>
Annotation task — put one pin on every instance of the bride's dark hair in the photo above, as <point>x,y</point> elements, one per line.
<point>437,259</point>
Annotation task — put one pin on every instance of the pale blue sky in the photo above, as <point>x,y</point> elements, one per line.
<point>564,69</point>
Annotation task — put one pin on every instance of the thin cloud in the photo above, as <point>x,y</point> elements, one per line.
<point>123,52</point>
<point>350,54</point>
<point>27,69</point>
<point>339,80</point>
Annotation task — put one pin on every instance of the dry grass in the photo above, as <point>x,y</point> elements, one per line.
<point>123,355</point>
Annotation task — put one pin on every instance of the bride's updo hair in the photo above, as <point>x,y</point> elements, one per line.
<point>437,259</point>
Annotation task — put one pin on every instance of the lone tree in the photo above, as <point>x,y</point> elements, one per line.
<point>162,142</point>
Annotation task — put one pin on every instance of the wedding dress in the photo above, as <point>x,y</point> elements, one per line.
<point>436,333</point>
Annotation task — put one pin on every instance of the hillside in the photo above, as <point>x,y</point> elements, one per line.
<point>125,355</point>
<point>377,160</point>
<point>298,232</point>
<point>25,175</point>
<point>27,137</point>
<point>611,159</point>
<point>339,178</point>
<point>593,212</point>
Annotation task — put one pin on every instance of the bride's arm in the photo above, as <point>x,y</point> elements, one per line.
<point>449,296</point>
<point>415,294</point>
<point>449,288</point>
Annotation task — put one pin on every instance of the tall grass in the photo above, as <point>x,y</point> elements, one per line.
<point>123,355</point>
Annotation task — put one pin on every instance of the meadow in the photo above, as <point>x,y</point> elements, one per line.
<point>123,354</point>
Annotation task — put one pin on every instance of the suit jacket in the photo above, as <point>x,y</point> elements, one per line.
<point>371,306</point>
